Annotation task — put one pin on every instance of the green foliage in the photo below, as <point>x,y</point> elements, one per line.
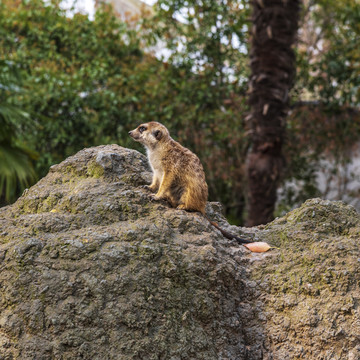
<point>328,56</point>
<point>71,70</point>
<point>89,82</point>
<point>325,117</point>
<point>86,83</point>
<point>16,171</point>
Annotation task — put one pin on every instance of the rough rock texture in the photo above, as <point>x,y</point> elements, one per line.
<point>311,285</point>
<point>91,268</point>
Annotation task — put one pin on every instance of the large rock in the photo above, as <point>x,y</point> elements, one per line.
<point>310,286</point>
<point>91,268</point>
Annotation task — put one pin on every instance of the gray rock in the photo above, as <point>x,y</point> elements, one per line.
<point>311,295</point>
<point>91,268</point>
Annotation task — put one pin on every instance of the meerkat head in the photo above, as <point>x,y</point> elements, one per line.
<point>150,134</point>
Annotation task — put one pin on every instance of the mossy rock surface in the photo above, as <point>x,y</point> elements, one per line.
<point>91,268</point>
<point>310,285</point>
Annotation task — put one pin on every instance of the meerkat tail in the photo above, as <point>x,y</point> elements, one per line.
<point>227,234</point>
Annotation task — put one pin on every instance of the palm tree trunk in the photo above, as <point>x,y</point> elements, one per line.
<point>275,24</point>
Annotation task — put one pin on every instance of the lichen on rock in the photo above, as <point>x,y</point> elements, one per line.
<point>310,285</point>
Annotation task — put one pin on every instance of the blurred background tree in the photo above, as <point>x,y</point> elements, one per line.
<point>87,82</point>
<point>272,62</point>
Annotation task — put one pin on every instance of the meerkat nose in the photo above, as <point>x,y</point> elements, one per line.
<point>130,132</point>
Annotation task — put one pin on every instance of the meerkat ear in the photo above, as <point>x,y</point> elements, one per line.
<point>157,134</point>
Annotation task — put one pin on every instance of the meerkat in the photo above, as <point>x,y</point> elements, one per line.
<point>178,175</point>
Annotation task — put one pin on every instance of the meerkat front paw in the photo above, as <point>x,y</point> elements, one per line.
<point>156,198</point>
<point>149,187</point>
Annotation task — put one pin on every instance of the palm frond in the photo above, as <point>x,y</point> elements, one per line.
<point>16,170</point>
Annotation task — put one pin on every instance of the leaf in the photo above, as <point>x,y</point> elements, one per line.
<point>16,170</point>
<point>259,246</point>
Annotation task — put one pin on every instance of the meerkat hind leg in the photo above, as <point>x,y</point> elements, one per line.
<point>181,207</point>
<point>188,203</point>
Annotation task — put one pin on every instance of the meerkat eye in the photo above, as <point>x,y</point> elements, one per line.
<point>142,129</point>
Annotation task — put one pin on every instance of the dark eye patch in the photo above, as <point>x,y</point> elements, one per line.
<point>142,129</point>
<point>157,134</point>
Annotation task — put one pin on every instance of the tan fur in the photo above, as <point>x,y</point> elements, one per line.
<point>178,175</point>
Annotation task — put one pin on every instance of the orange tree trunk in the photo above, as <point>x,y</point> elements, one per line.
<point>272,60</point>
